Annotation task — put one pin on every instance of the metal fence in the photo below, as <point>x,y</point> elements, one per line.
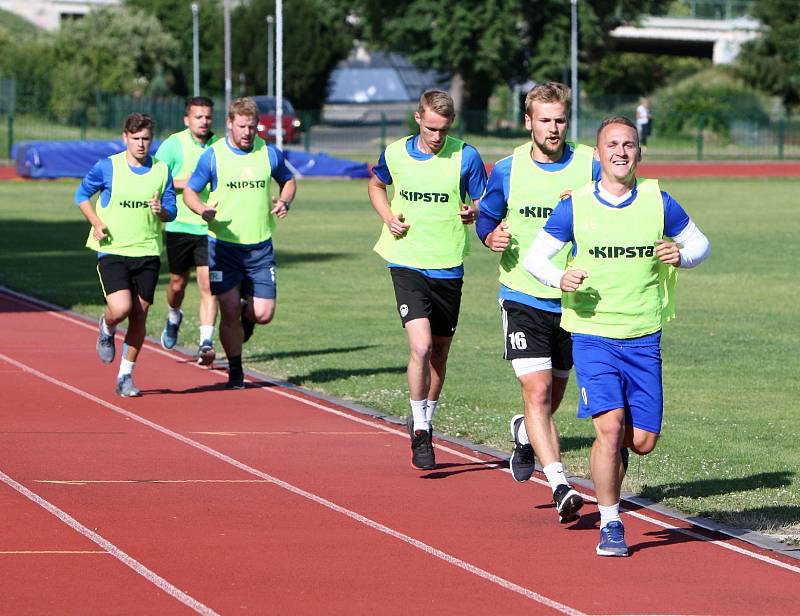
<point>361,132</point>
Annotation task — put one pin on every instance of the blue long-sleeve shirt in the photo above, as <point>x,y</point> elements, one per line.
<point>100,178</point>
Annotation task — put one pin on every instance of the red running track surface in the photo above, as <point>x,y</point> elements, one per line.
<point>194,498</point>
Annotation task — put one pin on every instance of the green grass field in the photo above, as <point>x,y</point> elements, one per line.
<point>730,447</point>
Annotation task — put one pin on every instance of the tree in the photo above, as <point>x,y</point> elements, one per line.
<point>316,38</point>
<point>484,43</point>
<point>478,42</point>
<point>29,59</point>
<point>772,61</point>
<point>176,18</point>
<point>110,50</point>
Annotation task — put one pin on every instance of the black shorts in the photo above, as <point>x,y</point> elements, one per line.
<point>421,297</point>
<point>185,251</point>
<point>531,332</point>
<point>139,274</point>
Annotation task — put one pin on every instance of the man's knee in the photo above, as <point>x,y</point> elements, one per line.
<point>644,442</point>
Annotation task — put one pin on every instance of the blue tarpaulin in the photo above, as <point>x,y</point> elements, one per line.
<point>74,159</point>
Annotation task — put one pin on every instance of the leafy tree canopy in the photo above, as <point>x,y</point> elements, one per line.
<point>176,18</point>
<point>772,61</point>
<point>110,50</point>
<point>316,38</point>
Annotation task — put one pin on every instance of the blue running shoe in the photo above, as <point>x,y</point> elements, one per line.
<point>105,345</point>
<point>612,540</point>
<point>169,337</point>
<point>126,388</point>
<point>206,353</point>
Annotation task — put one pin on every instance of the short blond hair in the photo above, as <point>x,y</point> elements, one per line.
<point>548,92</point>
<point>243,107</point>
<point>437,101</point>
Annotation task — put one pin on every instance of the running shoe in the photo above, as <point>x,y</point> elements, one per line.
<point>612,540</point>
<point>522,461</point>
<point>568,503</point>
<point>169,337</point>
<point>105,345</point>
<point>422,456</point>
<point>126,388</point>
<point>235,378</point>
<point>248,326</point>
<point>206,353</point>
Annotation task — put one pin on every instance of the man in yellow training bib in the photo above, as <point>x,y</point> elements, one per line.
<point>437,182</point>
<point>136,199</point>
<point>617,292</point>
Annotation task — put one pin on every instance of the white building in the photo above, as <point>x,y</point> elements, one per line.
<point>49,14</point>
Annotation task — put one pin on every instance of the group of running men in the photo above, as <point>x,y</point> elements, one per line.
<point>587,268</point>
<point>587,278</point>
<point>215,196</point>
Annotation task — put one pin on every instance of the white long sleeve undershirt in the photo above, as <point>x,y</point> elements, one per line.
<point>694,249</point>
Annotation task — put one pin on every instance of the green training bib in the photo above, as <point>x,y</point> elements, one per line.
<point>133,229</point>
<point>428,194</point>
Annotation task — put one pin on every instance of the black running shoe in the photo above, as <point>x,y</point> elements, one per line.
<point>568,503</point>
<point>235,378</point>
<point>247,325</point>
<point>422,456</point>
<point>522,461</point>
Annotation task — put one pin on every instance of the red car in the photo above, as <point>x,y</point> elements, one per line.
<point>266,120</point>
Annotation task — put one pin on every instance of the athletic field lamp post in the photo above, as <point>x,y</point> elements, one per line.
<point>279,74</point>
<point>196,48</point>
<point>270,55</point>
<point>573,123</point>
<point>226,18</point>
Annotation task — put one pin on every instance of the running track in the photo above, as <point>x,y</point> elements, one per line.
<point>194,498</point>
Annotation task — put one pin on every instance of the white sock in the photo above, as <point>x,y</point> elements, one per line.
<point>430,409</point>
<point>522,434</point>
<point>608,514</point>
<point>206,333</point>
<point>555,475</point>
<point>418,411</point>
<point>108,331</point>
<point>174,315</point>
<point>125,367</point>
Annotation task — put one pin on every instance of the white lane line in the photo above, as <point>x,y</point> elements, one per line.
<point>83,482</point>
<point>279,391</point>
<point>7,552</point>
<point>424,547</point>
<point>109,547</point>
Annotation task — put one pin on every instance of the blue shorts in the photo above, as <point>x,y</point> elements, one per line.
<point>251,265</point>
<point>620,374</point>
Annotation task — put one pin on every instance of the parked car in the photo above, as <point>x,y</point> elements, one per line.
<point>266,120</point>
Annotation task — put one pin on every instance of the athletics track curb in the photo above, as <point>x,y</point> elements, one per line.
<point>757,539</point>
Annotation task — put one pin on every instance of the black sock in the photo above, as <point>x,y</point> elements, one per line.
<point>235,364</point>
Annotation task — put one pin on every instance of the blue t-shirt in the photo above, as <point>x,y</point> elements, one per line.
<point>206,171</point>
<point>100,177</point>
<point>472,185</point>
<point>494,207</point>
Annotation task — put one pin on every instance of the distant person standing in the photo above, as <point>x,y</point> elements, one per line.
<point>628,238</point>
<point>136,198</point>
<point>240,212</point>
<point>437,182</point>
<point>644,121</point>
<point>187,235</point>
<point>522,191</point>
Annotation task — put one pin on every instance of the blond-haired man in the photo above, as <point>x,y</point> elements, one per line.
<point>437,182</point>
<point>240,213</point>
